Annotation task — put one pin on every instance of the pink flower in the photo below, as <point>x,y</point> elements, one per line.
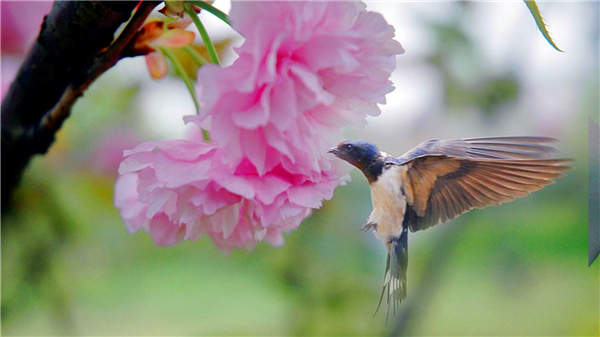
<point>180,189</point>
<point>134,212</point>
<point>305,70</point>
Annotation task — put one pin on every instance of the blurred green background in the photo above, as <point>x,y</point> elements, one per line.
<point>69,266</point>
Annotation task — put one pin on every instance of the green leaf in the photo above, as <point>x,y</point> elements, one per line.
<point>205,135</point>
<point>181,72</point>
<point>539,20</point>
<point>210,47</point>
<point>211,9</point>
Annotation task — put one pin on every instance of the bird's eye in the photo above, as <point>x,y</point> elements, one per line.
<point>387,165</point>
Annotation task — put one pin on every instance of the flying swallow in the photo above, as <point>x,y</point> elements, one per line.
<point>441,179</point>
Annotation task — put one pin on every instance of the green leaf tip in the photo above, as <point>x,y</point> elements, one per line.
<point>539,20</point>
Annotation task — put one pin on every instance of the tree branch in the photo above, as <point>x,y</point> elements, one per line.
<point>53,120</point>
<point>62,63</point>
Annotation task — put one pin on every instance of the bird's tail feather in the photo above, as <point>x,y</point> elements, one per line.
<point>394,284</point>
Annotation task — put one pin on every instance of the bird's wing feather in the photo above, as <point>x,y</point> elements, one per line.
<point>445,178</point>
<point>485,148</point>
<point>440,188</point>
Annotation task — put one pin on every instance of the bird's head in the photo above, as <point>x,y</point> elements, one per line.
<point>363,155</point>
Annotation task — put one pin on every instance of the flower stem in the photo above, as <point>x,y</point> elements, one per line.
<point>200,60</point>
<point>211,9</point>
<point>210,47</point>
<point>181,71</point>
<point>186,79</point>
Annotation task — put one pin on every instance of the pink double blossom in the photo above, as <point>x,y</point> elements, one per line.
<point>180,189</point>
<point>305,71</point>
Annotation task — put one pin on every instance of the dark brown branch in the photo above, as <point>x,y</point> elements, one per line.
<point>63,62</point>
<point>52,120</point>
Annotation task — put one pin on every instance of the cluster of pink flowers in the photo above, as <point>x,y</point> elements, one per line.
<point>305,71</point>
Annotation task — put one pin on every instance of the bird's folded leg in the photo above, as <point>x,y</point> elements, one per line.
<point>368,225</point>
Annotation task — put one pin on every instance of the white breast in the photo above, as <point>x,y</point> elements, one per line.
<point>388,203</point>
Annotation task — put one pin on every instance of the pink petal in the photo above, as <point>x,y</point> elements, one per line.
<point>195,230</point>
<point>313,83</point>
<point>132,211</point>
<point>157,64</point>
<point>256,115</point>
<point>164,232</point>
<point>173,38</point>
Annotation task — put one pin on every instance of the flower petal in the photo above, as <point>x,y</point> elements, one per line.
<point>157,64</point>
<point>173,38</point>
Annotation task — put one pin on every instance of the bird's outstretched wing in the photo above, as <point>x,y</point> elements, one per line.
<point>485,148</point>
<point>444,179</point>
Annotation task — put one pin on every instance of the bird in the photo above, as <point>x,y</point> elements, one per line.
<point>439,180</point>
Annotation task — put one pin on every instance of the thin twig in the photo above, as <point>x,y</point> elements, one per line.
<point>54,118</point>
<point>53,75</point>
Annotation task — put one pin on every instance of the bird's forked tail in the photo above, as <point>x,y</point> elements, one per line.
<point>394,284</point>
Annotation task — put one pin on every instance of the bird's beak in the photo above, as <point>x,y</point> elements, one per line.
<point>333,150</point>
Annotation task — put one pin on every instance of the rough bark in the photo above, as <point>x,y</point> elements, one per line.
<point>57,69</point>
